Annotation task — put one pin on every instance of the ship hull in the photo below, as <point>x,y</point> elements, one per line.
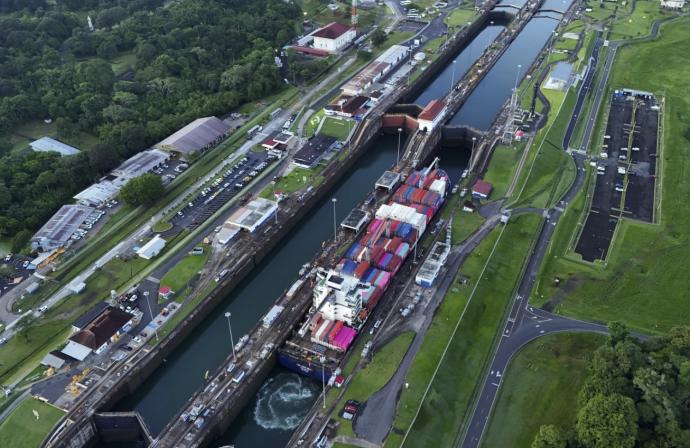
<point>304,367</point>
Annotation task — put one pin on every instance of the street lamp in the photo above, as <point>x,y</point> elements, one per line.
<point>452,79</point>
<point>146,298</point>
<point>232,341</point>
<point>474,140</point>
<point>517,75</point>
<point>323,379</point>
<point>335,226</point>
<point>397,160</point>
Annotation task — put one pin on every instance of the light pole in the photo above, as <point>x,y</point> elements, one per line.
<point>335,226</point>
<point>397,160</point>
<point>146,298</point>
<point>517,76</point>
<point>474,140</point>
<point>232,341</point>
<point>323,379</point>
<point>452,78</point>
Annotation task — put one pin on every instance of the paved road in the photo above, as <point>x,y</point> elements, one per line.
<point>376,419</point>
<point>526,323</point>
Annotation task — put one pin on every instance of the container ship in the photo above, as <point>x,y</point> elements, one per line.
<point>345,295</point>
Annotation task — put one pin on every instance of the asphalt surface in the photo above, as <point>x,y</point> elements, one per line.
<point>526,323</point>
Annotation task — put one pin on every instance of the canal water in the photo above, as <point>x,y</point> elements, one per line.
<point>285,397</point>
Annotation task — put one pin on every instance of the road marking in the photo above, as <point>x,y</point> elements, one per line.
<point>494,384</point>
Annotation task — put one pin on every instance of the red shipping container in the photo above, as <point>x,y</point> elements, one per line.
<point>334,332</point>
<point>374,299</point>
<point>316,323</point>
<point>361,269</point>
<point>375,254</point>
<point>395,243</point>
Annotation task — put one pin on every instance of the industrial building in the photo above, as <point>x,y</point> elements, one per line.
<point>355,220</point>
<point>251,216</point>
<point>388,180</point>
<point>60,227</point>
<point>141,163</point>
<point>333,37</point>
<point>226,234</point>
<point>376,70</point>
<point>47,144</point>
<point>482,189</point>
<point>152,248</point>
<point>313,151</point>
<point>560,77</point>
<point>431,116</point>
<point>198,135</point>
<point>432,265</point>
<point>95,336</point>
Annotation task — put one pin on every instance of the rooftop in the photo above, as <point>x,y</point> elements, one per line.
<point>102,328</point>
<point>88,316</point>
<point>314,149</point>
<point>141,163</point>
<point>47,144</point>
<point>62,224</point>
<point>331,31</point>
<point>431,111</point>
<point>195,136</point>
<point>253,214</point>
<point>482,187</point>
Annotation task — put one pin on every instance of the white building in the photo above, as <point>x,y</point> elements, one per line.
<point>333,37</point>
<point>432,115</point>
<point>47,144</point>
<point>672,4</point>
<point>104,328</point>
<point>339,297</point>
<point>152,248</point>
<point>378,69</point>
<point>251,216</point>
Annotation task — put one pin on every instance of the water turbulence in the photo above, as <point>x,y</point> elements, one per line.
<point>283,401</point>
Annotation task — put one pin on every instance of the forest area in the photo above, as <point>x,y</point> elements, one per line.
<point>636,394</point>
<point>190,58</point>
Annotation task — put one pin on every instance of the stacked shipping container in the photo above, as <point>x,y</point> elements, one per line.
<point>380,253</point>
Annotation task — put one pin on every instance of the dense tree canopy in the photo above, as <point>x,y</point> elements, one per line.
<point>142,190</point>
<point>637,394</point>
<point>189,58</point>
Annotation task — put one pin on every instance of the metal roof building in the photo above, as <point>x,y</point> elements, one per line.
<point>152,248</point>
<point>60,227</point>
<point>98,194</point>
<point>196,136</point>
<point>141,163</point>
<point>312,151</point>
<point>252,215</point>
<point>47,144</point>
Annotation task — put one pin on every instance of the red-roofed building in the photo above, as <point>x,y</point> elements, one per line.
<point>482,189</point>
<point>311,51</point>
<point>165,292</point>
<point>431,116</point>
<point>333,37</point>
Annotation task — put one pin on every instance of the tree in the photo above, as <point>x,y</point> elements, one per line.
<point>378,37</point>
<point>549,436</point>
<point>142,190</point>
<point>607,421</point>
<point>20,239</point>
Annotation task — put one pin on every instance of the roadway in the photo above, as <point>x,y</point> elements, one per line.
<point>526,323</point>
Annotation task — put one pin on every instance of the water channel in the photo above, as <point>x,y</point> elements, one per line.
<point>284,398</point>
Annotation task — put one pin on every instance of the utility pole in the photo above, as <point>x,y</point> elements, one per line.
<point>323,379</point>
<point>335,225</point>
<point>452,78</point>
<point>397,160</point>
<point>146,298</point>
<point>232,341</point>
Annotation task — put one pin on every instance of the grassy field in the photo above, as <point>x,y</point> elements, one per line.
<point>336,128</point>
<point>502,168</point>
<point>294,180</point>
<point>464,224</point>
<point>468,344</point>
<point>460,16</point>
<point>184,271</point>
<point>540,387</point>
<point>639,23</point>
<point>376,374</point>
<point>645,279</point>
<point>313,123</point>
<point>23,430</point>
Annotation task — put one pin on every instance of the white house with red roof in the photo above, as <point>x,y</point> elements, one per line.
<point>333,37</point>
<point>431,115</point>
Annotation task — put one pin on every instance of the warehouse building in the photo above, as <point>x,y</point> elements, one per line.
<point>152,248</point>
<point>251,216</point>
<point>98,194</point>
<point>104,328</point>
<point>47,144</point>
<point>141,163</point>
<point>313,151</point>
<point>60,227</point>
<point>333,37</point>
<point>199,135</point>
<point>378,69</point>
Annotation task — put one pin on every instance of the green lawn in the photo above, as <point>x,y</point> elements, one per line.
<point>23,430</point>
<point>464,224</point>
<point>469,344</point>
<point>645,280</point>
<point>184,271</point>
<point>296,179</point>
<point>639,23</point>
<point>502,168</point>
<point>336,128</point>
<point>313,123</point>
<point>460,17</point>
<point>540,387</point>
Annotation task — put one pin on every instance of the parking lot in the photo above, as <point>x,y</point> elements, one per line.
<point>626,172</point>
<point>603,216</point>
<point>221,190</point>
<point>15,268</point>
<point>639,193</point>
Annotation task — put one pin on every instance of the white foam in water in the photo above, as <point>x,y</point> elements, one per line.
<point>283,401</point>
